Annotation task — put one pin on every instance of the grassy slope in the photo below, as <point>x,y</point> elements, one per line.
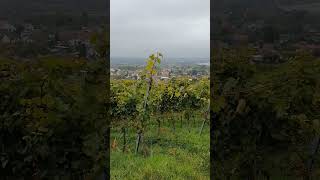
<point>179,155</point>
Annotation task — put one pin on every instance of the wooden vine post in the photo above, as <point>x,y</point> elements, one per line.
<point>150,69</point>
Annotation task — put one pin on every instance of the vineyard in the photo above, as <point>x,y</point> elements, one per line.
<point>265,117</point>
<point>48,131</point>
<point>160,129</point>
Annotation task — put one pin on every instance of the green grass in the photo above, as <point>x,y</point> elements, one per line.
<point>171,155</point>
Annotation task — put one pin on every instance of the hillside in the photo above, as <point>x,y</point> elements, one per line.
<point>265,7</point>
<point>20,8</point>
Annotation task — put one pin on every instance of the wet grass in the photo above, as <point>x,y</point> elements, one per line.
<point>173,154</point>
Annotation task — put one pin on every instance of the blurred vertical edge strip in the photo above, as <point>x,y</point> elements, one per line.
<point>107,135</point>
<point>211,92</point>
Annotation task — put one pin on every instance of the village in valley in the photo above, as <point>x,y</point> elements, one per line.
<point>167,71</point>
<point>271,39</point>
<point>25,39</point>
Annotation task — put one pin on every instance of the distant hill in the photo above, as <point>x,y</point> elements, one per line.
<point>264,6</point>
<point>25,8</point>
<point>141,61</point>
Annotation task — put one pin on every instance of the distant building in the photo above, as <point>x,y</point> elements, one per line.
<point>5,26</point>
<point>203,64</point>
<point>164,78</point>
<point>28,27</point>
<point>267,57</point>
<point>136,76</point>
<point>5,39</point>
<point>165,73</point>
<point>59,50</point>
<point>257,58</point>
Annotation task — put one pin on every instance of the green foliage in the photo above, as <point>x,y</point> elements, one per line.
<point>175,95</point>
<point>145,105</point>
<point>264,118</point>
<point>179,155</point>
<point>45,112</point>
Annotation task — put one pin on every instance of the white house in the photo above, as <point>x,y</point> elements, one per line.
<point>4,26</point>
<point>5,39</point>
<point>28,27</point>
<point>164,78</point>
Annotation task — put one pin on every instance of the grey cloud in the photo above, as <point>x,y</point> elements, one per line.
<point>178,28</point>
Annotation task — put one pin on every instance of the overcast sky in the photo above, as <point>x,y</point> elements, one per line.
<point>177,28</point>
